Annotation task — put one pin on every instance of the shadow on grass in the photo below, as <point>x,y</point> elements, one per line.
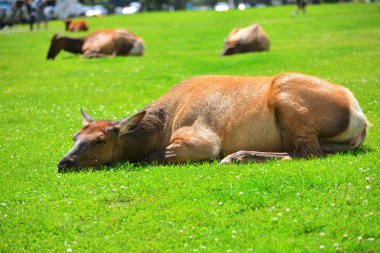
<point>356,152</point>
<point>138,166</point>
<point>67,56</point>
<point>98,60</point>
<point>127,166</point>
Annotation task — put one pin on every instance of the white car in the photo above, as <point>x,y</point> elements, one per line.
<point>96,10</point>
<point>133,7</point>
<point>222,6</point>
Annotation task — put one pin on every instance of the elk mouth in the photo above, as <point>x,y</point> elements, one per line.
<point>67,164</point>
<point>228,51</point>
<point>70,163</point>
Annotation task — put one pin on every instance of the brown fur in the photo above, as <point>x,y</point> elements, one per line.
<point>289,115</point>
<point>248,39</point>
<point>76,25</point>
<point>102,43</point>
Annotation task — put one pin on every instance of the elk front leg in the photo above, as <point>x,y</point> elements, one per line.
<point>194,143</point>
<point>96,54</point>
<point>247,156</point>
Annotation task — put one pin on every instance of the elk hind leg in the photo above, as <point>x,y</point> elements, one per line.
<point>332,146</point>
<point>299,126</point>
<point>303,137</point>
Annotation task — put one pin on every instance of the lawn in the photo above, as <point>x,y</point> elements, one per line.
<point>329,204</point>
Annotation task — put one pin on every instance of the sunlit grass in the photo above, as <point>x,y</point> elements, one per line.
<point>329,204</point>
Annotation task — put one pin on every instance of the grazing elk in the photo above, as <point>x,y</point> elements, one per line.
<point>243,40</point>
<point>76,25</point>
<point>102,43</point>
<point>246,118</point>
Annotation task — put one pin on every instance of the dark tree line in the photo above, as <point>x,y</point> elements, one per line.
<point>156,5</point>
<point>153,5</point>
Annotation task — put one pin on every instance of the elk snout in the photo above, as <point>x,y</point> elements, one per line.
<point>228,51</point>
<point>50,56</point>
<point>67,163</point>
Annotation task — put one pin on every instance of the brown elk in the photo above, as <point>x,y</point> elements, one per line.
<point>102,43</point>
<point>76,25</point>
<point>243,40</point>
<point>246,118</point>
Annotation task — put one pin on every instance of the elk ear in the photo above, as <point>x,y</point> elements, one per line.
<point>56,36</point>
<point>85,118</point>
<point>129,124</point>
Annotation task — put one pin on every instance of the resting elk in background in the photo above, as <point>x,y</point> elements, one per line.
<point>76,25</point>
<point>102,43</point>
<point>246,118</point>
<point>243,40</point>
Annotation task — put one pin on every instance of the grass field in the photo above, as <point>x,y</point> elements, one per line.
<point>329,204</point>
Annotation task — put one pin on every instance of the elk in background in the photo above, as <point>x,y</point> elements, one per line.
<point>243,40</point>
<point>76,25</point>
<point>102,43</point>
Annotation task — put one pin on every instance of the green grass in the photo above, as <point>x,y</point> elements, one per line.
<point>288,206</point>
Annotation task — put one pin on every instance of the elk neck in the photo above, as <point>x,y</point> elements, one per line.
<point>72,45</point>
<point>146,138</point>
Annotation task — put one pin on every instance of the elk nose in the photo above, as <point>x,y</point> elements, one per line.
<point>66,163</point>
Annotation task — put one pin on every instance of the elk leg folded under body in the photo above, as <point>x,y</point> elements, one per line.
<point>95,54</point>
<point>247,156</point>
<point>194,143</point>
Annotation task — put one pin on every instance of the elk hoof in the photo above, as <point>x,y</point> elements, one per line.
<point>225,161</point>
<point>237,158</point>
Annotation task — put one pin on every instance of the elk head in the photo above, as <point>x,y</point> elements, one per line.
<point>67,23</point>
<point>98,142</point>
<point>55,47</point>
<point>229,48</point>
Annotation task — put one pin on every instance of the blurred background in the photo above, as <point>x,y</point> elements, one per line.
<point>19,11</point>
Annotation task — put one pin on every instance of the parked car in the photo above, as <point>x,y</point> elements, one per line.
<point>198,7</point>
<point>51,12</point>
<point>243,6</point>
<point>133,7</point>
<point>96,10</point>
<point>5,13</point>
<point>222,6</point>
<point>81,9</point>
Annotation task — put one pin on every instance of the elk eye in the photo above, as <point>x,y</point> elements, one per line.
<point>99,141</point>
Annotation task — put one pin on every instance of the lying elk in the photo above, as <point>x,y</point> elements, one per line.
<point>286,116</point>
<point>76,25</point>
<point>101,43</point>
<point>249,39</point>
